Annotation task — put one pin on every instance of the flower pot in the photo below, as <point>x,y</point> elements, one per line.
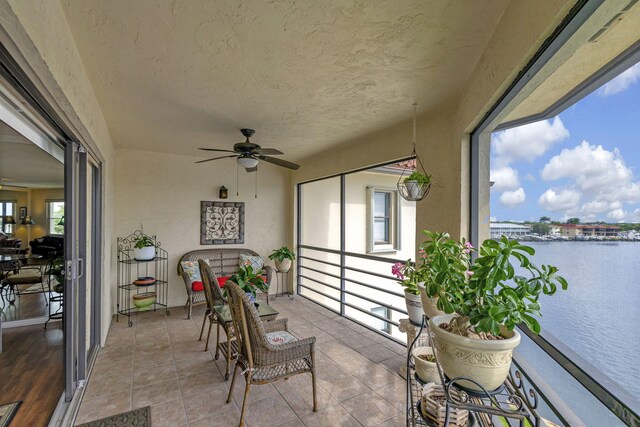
<point>427,371</point>
<point>413,188</point>
<point>484,361</point>
<point>144,300</point>
<point>283,266</point>
<point>144,254</point>
<point>414,307</point>
<point>429,304</point>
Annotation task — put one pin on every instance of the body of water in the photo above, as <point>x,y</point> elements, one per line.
<point>599,315</point>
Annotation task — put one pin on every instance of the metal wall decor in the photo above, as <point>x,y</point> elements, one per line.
<point>221,223</point>
<point>409,188</point>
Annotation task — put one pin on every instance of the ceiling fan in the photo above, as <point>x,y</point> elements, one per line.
<point>5,182</point>
<point>248,154</point>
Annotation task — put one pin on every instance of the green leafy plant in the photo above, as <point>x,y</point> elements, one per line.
<point>488,294</point>
<point>249,280</point>
<point>419,177</point>
<point>409,276</point>
<point>143,241</point>
<point>282,254</point>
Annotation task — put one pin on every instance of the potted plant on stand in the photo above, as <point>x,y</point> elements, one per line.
<point>250,281</point>
<point>415,181</point>
<point>144,248</point>
<point>409,276</point>
<point>476,338</point>
<point>282,258</point>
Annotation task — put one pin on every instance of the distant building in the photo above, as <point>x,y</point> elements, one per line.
<point>499,229</point>
<point>591,230</point>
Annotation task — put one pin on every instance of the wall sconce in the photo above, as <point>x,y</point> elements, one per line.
<point>223,193</point>
<point>27,220</point>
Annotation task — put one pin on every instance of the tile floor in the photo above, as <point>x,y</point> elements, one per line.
<point>160,362</point>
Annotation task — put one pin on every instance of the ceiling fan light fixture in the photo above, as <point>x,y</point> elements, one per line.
<point>247,162</point>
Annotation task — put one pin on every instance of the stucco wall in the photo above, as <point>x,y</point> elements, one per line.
<point>163,193</point>
<point>42,35</point>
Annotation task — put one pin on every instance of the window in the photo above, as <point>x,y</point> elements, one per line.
<point>55,216</point>
<point>6,209</point>
<point>381,324</point>
<point>383,220</point>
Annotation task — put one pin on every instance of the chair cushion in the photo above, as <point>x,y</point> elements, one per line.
<point>280,337</point>
<point>197,286</point>
<point>24,279</point>
<point>193,270</point>
<point>255,262</point>
<point>222,281</point>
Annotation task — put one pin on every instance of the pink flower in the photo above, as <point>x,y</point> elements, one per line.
<point>467,247</point>
<point>469,273</point>
<point>422,254</point>
<point>396,270</point>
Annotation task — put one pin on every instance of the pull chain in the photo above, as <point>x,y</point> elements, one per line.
<point>256,190</point>
<point>237,180</point>
<point>415,106</point>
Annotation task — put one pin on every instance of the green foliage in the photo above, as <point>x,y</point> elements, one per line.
<point>143,241</point>
<point>545,219</point>
<point>419,177</point>
<point>573,221</point>
<point>282,254</point>
<point>491,294</point>
<point>249,280</point>
<point>541,229</point>
<point>409,274</point>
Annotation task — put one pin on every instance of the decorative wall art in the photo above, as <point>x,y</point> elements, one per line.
<point>23,212</point>
<point>221,223</point>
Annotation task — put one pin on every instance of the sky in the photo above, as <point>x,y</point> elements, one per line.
<point>583,163</point>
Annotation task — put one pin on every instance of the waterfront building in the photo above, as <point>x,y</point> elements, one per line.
<point>508,229</point>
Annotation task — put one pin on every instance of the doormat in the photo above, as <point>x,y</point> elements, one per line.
<point>7,412</point>
<point>140,417</point>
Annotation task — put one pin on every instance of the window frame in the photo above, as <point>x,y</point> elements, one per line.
<point>394,228</point>
<point>384,312</point>
<point>48,204</point>
<point>3,214</point>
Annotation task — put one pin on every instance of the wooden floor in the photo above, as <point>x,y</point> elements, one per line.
<point>26,307</point>
<point>32,370</point>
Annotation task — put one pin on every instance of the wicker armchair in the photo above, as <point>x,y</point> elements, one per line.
<point>261,359</point>
<point>213,295</point>
<point>225,262</point>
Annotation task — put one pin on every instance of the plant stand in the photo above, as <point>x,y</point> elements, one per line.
<point>485,408</point>
<point>282,276</point>
<point>129,269</point>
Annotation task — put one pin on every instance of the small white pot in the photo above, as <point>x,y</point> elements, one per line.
<point>414,307</point>
<point>484,361</point>
<point>283,265</point>
<point>413,188</point>
<point>144,254</point>
<point>427,371</point>
<point>429,305</point>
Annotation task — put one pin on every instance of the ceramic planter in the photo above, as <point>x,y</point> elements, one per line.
<point>428,304</point>
<point>144,300</point>
<point>283,266</point>
<point>484,361</point>
<point>413,188</point>
<point>414,307</point>
<point>427,371</point>
<point>144,254</point>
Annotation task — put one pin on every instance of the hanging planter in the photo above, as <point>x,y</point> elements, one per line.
<point>414,182</point>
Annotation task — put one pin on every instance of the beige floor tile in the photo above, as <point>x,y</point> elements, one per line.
<point>198,364</point>
<point>332,416</point>
<point>169,414</point>
<point>377,353</point>
<point>200,383</point>
<point>256,392</point>
<point>373,375</point>
<point>297,391</point>
<point>268,412</point>
<point>209,403</point>
<point>395,393</point>
<point>343,387</point>
<point>107,383</point>
<point>399,421</point>
<point>356,340</point>
<point>154,374</point>
<point>227,417</point>
<point>103,406</point>
<point>151,358</point>
<point>370,409</point>
<point>395,364</point>
<point>156,393</point>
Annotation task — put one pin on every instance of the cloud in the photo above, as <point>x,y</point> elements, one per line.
<point>513,198</point>
<point>529,177</point>
<point>622,82</point>
<point>504,178</point>
<point>593,168</point>
<point>617,215</point>
<point>526,142</point>
<point>559,200</point>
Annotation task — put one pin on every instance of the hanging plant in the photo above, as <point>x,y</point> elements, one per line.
<point>414,183</point>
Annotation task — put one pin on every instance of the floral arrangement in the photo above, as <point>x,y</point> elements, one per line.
<point>409,275</point>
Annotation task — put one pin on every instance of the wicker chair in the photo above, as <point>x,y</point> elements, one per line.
<point>213,295</point>
<point>225,262</point>
<point>260,359</point>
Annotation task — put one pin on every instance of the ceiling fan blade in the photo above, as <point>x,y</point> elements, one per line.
<point>279,162</point>
<point>215,158</point>
<point>216,149</point>
<point>254,169</point>
<point>270,151</point>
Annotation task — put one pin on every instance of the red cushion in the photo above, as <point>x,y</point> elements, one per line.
<point>223,280</point>
<point>197,286</point>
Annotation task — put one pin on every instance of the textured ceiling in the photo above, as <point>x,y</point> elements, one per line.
<point>24,164</point>
<point>172,76</point>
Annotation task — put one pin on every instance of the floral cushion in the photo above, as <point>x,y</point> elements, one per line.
<point>254,261</point>
<point>193,270</point>
<point>280,337</point>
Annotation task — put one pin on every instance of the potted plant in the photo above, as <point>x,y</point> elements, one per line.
<point>409,277</point>
<point>250,281</point>
<point>444,265</point>
<point>144,248</point>
<point>476,338</point>
<point>282,258</point>
<point>415,181</point>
